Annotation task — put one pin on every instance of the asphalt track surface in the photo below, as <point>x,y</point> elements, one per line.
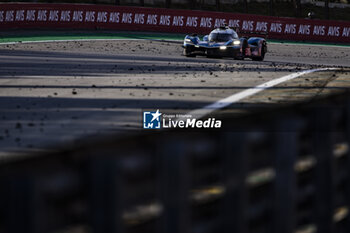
<point>53,94</point>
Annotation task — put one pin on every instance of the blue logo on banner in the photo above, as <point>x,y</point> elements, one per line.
<point>151,120</point>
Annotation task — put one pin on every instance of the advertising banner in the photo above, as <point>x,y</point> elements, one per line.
<point>83,16</point>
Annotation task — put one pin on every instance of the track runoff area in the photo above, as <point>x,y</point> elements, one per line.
<point>56,92</point>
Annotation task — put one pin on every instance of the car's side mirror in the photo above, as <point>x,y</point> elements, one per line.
<point>206,38</point>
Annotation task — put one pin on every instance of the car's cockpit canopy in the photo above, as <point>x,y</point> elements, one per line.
<point>223,35</point>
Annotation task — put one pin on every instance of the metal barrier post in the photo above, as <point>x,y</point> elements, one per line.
<point>24,205</point>
<point>175,180</point>
<point>284,198</point>
<point>347,189</point>
<point>235,169</point>
<point>106,195</point>
<point>324,170</point>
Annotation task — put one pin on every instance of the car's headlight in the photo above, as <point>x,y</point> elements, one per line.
<point>188,40</point>
<point>223,47</point>
<point>236,42</point>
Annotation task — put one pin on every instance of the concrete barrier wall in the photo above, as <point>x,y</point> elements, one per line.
<point>82,16</point>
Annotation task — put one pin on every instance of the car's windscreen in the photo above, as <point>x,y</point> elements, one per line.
<point>222,37</point>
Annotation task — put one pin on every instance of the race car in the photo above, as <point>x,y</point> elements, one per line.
<point>224,42</point>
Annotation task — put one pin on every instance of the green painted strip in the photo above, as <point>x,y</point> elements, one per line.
<point>307,43</point>
<point>44,36</point>
<point>26,36</point>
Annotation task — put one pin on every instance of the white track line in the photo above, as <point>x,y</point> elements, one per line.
<point>199,113</point>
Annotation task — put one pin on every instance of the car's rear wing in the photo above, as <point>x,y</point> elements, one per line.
<point>251,33</point>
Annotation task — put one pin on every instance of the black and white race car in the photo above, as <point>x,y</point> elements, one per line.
<point>225,42</point>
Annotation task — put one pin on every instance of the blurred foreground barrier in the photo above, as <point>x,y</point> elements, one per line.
<point>141,19</point>
<point>285,170</point>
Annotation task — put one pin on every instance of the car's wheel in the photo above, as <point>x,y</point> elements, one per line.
<point>263,52</point>
<point>241,55</point>
<point>187,53</point>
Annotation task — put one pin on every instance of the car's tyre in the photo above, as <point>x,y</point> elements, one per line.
<point>241,56</point>
<point>187,53</point>
<point>263,52</point>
